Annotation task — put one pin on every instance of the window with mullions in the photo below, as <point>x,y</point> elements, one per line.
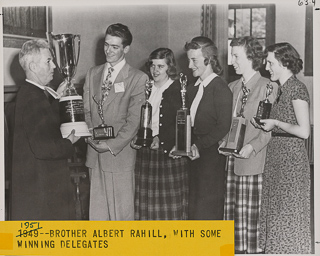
<point>250,20</point>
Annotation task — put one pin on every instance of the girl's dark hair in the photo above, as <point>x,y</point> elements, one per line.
<point>168,56</point>
<point>287,55</point>
<point>209,51</point>
<point>253,50</point>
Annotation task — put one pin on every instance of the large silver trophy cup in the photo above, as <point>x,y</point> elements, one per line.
<point>63,49</point>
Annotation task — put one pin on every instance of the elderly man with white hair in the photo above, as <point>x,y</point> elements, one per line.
<point>40,172</point>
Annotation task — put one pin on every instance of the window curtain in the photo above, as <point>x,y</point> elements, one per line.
<point>207,20</point>
<point>308,61</point>
<point>214,24</point>
<point>24,23</point>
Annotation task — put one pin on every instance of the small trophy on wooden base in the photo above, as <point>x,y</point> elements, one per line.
<point>183,124</point>
<point>264,107</point>
<point>238,128</point>
<point>236,135</point>
<point>144,136</point>
<point>103,131</point>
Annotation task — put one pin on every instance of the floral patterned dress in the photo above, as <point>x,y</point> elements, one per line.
<point>285,210</point>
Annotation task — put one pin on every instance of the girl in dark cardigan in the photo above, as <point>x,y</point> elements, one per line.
<point>161,182</point>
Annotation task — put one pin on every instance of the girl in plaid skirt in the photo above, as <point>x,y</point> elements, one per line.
<point>244,170</point>
<point>161,182</point>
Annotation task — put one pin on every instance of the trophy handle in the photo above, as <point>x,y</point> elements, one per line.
<point>77,36</point>
<point>50,38</point>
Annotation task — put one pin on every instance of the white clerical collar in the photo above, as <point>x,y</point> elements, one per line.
<point>42,87</point>
<point>206,81</point>
<point>53,93</point>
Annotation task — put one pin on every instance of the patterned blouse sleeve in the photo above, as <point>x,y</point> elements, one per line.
<point>299,91</point>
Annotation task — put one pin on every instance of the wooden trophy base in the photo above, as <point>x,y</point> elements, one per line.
<point>183,133</point>
<point>236,136</point>
<point>144,137</point>
<point>263,111</point>
<point>181,153</point>
<point>103,132</point>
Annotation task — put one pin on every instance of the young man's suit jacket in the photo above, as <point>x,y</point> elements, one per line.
<point>121,110</point>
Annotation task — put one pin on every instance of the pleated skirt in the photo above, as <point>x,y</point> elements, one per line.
<point>161,186</point>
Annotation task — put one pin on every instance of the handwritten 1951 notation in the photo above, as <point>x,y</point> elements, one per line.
<point>29,229</point>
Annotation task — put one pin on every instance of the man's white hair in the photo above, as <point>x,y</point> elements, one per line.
<point>29,50</point>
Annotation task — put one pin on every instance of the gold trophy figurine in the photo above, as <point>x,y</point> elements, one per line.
<point>144,136</point>
<point>183,124</point>
<point>264,107</point>
<point>238,128</point>
<point>102,132</point>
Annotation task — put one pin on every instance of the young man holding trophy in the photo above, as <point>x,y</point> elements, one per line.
<point>211,118</point>
<point>252,97</point>
<point>113,96</point>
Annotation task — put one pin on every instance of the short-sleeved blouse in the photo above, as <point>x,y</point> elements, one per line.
<point>291,90</point>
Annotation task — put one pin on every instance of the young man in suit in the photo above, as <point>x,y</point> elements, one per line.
<point>40,173</point>
<point>211,119</point>
<point>111,162</point>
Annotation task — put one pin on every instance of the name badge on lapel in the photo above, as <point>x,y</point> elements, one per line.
<point>119,87</point>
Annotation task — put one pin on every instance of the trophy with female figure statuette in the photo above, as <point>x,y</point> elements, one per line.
<point>183,124</point>
<point>237,131</point>
<point>144,136</point>
<point>265,105</point>
<point>103,131</point>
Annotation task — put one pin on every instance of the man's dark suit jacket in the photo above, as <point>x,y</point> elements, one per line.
<point>40,174</point>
